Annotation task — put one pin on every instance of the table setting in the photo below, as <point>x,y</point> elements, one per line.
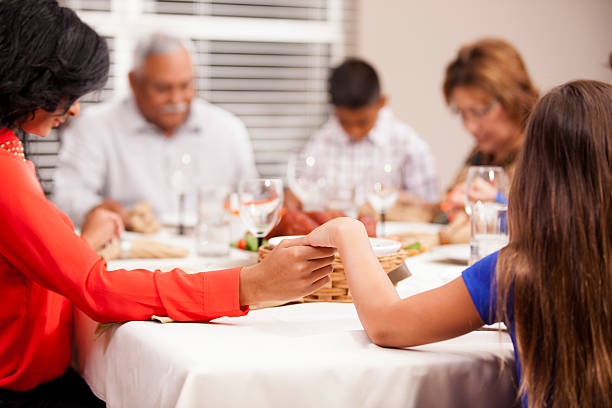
<point>310,351</point>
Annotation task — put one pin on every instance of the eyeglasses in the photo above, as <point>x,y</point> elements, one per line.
<point>474,113</point>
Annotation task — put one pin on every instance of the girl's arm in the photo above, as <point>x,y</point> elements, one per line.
<point>431,316</point>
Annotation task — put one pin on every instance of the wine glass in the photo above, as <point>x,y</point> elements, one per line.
<point>306,181</point>
<point>342,197</point>
<point>483,184</point>
<point>181,181</point>
<point>260,204</point>
<point>382,190</point>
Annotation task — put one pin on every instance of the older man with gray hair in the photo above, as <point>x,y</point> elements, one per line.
<point>121,152</point>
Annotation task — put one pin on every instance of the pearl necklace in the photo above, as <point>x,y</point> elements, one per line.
<point>11,144</point>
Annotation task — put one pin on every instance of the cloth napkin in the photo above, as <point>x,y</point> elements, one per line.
<point>141,248</point>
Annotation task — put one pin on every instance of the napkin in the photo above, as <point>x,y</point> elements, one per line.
<point>141,219</point>
<point>141,248</point>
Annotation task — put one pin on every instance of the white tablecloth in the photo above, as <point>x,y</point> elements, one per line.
<point>305,355</point>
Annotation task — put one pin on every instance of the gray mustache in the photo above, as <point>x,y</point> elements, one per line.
<point>180,107</point>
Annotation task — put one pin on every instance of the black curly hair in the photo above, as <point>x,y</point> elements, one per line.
<point>48,59</point>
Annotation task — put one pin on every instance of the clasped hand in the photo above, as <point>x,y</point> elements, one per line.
<point>292,270</point>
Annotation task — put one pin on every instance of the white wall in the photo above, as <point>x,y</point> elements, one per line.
<point>411,42</point>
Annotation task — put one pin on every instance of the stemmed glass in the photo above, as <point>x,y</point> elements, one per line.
<point>482,184</point>
<point>181,181</point>
<point>260,204</point>
<point>305,180</point>
<point>382,190</point>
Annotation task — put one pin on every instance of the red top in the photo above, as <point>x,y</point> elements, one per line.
<point>45,267</point>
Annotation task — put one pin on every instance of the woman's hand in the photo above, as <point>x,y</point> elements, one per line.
<point>101,226</point>
<point>456,197</point>
<point>290,271</point>
<point>480,190</point>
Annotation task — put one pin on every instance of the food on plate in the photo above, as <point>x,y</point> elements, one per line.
<point>370,224</point>
<point>321,217</point>
<point>295,222</point>
<point>248,243</point>
<point>414,249</point>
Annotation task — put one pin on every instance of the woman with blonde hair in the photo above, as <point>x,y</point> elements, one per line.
<point>487,84</point>
<point>552,284</point>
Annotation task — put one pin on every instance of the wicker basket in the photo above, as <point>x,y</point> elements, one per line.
<point>337,289</point>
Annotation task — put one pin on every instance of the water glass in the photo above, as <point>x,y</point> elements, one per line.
<point>261,201</point>
<point>485,182</point>
<point>306,180</point>
<point>213,226</point>
<point>489,229</point>
<point>342,198</point>
<point>383,188</point>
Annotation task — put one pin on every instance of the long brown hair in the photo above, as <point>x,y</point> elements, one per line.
<point>494,67</point>
<point>557,268</point>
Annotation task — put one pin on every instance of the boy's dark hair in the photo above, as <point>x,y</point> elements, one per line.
<point>48,59</point>
<point>354,84</point>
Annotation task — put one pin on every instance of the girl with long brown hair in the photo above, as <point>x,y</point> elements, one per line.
<point>552,285</point>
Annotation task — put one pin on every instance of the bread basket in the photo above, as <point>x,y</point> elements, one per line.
<point>337,289</point>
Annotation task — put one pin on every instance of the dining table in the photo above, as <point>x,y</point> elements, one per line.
<point>297,355</point>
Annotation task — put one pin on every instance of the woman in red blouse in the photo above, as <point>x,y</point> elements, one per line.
<point>48,59</point>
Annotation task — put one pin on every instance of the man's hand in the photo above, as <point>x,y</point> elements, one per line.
<point>115,207</point>
<point>290,271</point>
<point>100,227</point>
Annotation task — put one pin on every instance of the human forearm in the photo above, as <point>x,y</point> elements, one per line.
<point>101,226</point>
<point>372,291</point>
<point>290,271</point>
<point>439,314</point>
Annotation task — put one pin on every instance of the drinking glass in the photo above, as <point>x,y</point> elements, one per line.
<point>306,180</point>
<point>486,181</point>
<point>181,181</point>
<point>213,227</point>
<point>382,190</point>
<point>488,229</point>
<point>341,197</point>
<point>260,204</point>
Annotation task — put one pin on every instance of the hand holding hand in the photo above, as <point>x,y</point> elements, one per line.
<point>456,197</point>
<point>330,233</point>
<point>480,190</point>
<point>101,226</point>
<point>290,271</point>
<point>115,207</point>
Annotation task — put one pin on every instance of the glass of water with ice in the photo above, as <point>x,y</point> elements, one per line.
<point>489,229</point>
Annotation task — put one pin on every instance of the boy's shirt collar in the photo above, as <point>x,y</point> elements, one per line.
<point>379,135</point>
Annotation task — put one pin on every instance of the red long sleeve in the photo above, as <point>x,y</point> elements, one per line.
<point>44,266</point>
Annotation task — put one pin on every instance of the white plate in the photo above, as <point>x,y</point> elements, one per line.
<point>458,253</point>
<point>380,246</point>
